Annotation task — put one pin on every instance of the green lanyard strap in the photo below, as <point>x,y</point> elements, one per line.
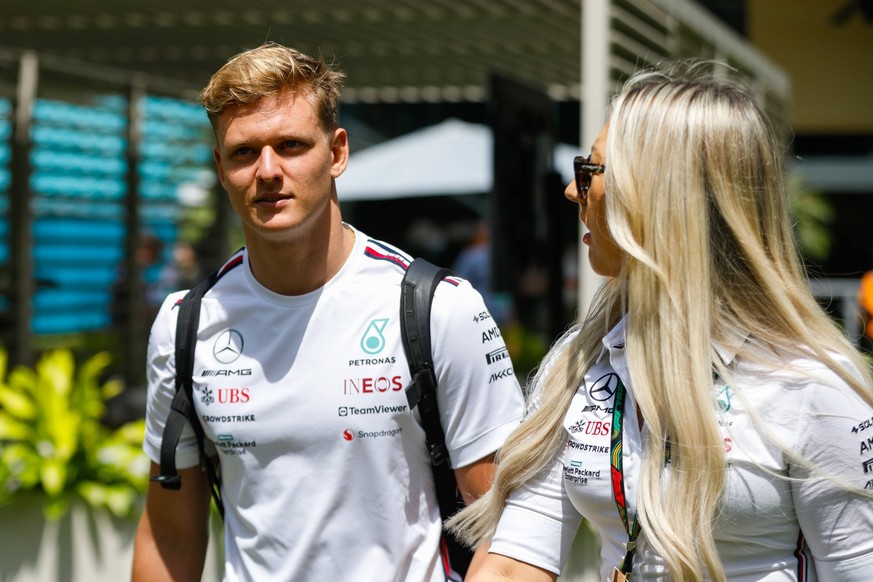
<point>633,531</point>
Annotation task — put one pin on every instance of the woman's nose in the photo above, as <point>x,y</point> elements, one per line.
<point>570,192</point>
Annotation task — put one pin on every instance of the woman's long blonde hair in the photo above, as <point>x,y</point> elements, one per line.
<point>695,199</point>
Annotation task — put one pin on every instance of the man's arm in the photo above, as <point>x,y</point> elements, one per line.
<point>476,478</point>
<point>473,481</point>
<point>172,535</point>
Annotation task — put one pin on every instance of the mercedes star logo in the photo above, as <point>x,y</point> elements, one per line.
<point>604,388</point>
<point>228,346</point>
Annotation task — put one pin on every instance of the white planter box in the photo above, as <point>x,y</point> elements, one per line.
<point>84,546</point>
<point>93,546</point>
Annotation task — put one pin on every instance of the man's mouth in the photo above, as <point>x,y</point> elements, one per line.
<point>271,198</point>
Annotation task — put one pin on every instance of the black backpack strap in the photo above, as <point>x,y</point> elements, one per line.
<point>416,297</point>
<point>182,409</point>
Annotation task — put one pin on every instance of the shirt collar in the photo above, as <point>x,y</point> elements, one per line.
<point>727,349</point>
<point>614,339</point>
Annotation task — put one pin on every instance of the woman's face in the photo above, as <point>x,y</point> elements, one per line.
<point>603,254</point>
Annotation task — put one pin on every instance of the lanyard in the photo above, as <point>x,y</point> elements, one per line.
<point>633,530</point>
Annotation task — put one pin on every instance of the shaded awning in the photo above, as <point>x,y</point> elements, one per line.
<point>450,158</point>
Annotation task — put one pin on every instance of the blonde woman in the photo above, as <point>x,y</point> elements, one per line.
<point>706,417</point>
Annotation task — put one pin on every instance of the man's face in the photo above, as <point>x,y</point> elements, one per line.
<point>277,164</point>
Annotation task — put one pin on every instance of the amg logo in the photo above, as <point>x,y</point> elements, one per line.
<point>505,373</point>
<point>597,408</point>
<point>496,355</point>
<point>242,372</point>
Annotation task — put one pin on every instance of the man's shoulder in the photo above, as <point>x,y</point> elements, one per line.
<point>381,257</point>
<point>393,260</point>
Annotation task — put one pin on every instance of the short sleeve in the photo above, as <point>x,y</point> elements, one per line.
<point>539,523</point>
<point>160,375</point>
<point>833,499</point>
<point>479,398</point>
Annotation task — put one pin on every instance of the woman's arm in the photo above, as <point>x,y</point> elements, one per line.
<point>497,568</point>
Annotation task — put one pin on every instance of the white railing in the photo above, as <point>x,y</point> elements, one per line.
<point>844,292</point>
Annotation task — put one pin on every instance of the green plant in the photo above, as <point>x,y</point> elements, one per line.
<point>52,438</point>
<point>813,215</point>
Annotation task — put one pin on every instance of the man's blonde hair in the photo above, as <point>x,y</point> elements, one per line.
<point>267,71</point>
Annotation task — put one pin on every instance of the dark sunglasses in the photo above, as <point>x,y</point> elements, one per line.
<point>584,170</point>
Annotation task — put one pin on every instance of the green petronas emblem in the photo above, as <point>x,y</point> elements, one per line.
<point>373,341</point>
<point>723,399</point>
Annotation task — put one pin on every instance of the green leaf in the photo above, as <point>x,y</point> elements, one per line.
<point>52,438</point>
<point>4,361</point>
<point>132,432</point>
<point>53,475</point>
<point>112,388</point>
<point>121,501</point>
<point>19,469</point>
<point>56,507</point>
<point>118,499</point>
<point>23,380</point>
<point>65,433</point>
<point>94,494</point>
<point>14,430</point>
<point>17,404</point>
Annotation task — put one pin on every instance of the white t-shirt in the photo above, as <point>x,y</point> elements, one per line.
<point>325,471</point>
<point>768,528</point>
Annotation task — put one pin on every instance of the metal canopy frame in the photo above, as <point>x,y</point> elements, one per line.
<point>392,50</point>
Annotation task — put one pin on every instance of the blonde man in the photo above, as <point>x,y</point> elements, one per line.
<point>707,417</point>
<point>299,371</point>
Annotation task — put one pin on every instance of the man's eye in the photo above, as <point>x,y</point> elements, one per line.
<point>290,144</point>
<point>243,151</point>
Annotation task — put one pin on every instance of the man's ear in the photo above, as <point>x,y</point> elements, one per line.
<point>339,146</point>
<point>216,155</point>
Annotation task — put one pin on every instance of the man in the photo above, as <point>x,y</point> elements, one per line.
<point>299,371</point>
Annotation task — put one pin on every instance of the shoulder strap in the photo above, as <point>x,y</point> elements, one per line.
<point>182,410</point>
<point>416,298</point>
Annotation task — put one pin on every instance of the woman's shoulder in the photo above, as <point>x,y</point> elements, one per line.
<point>792,378</point>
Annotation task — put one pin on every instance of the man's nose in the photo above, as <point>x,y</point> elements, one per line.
<point>268,165</point>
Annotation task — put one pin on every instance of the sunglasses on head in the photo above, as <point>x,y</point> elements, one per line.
<point>584,170</point>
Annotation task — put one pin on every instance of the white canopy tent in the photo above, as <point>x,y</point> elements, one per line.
<point>450,158</point>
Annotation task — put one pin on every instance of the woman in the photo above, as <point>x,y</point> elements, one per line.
<point>706,397</point>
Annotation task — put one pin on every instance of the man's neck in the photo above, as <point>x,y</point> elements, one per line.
<point>296,267</point>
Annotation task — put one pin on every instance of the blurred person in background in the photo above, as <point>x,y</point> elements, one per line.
<point>182,272</point>
<point>149,254</point>
<point>473,263</point>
